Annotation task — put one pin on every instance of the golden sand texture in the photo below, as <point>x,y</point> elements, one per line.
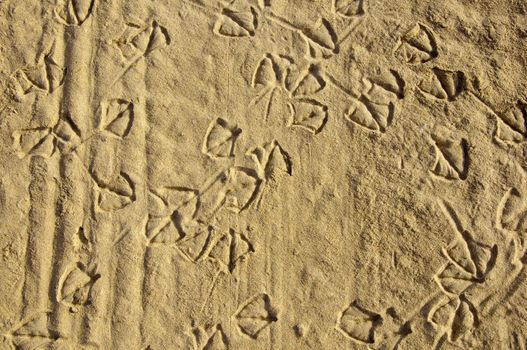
<point>263,174</point>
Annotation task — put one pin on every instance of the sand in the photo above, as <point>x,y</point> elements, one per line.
<point>263,174</point>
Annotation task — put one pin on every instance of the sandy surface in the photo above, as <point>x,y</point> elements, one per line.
<point>263,174</point>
